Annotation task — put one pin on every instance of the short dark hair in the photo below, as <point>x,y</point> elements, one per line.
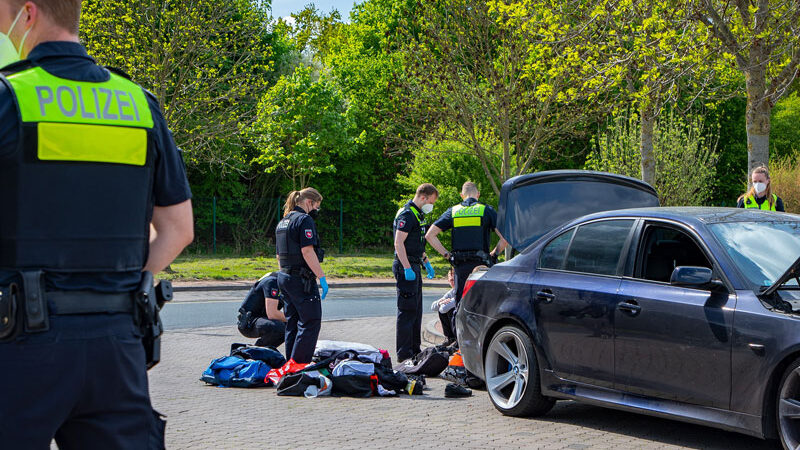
<point>64,13</point>
<point>427,190</point>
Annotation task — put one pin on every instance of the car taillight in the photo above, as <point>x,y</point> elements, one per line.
<point>471,281</point>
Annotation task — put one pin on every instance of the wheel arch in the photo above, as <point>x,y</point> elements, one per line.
<point>769,421</point>
<point>515,321</point>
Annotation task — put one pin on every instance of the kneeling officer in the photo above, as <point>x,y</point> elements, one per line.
<point>260,315</point>
<point>80,188</point>
<point>300,255</point>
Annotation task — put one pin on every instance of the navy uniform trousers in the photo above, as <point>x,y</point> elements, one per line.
<point>83,382</point>
<point>269,333</point>
<point>303,317</point>
<point>409,312</point>
<point>461,272</point>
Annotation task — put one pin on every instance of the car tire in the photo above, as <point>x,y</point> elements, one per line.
<point>787,409</point>
<point>512,375</point>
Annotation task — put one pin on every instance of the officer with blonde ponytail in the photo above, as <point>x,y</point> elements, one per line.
<point>760,195</point>
<point>299,256</point>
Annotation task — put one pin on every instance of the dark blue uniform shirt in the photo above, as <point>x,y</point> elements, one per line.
<point>445,221</point>
<point>268,286</point>
<point>170,186</point>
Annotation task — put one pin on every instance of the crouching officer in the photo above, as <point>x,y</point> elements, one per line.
<point>409,245</point>
<point>87,168</point>
<point>471,222</point>
<point>299,256</point>
<point>260,315</point>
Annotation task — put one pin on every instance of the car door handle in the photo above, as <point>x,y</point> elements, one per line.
<point>630,307</point>
<point>546,296</point>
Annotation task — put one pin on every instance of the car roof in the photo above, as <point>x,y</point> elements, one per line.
<point>698,215</point>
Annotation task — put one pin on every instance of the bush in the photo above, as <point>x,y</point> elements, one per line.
<point>785,181</point>
<point>685,156</point>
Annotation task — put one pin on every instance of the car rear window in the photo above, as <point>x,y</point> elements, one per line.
<point>597,247</point>
<point>552,256</point>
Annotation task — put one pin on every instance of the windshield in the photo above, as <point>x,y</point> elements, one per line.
<point>762,251</point>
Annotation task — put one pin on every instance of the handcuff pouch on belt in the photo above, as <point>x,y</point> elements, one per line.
<point>24,310</point>
<point>149,300</point>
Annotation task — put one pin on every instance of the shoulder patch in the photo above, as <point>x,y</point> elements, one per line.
<point>310,234</point>
<point>274,293</point>
<point>401,223</point>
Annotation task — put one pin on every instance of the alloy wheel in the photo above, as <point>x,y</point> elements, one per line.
<point>506,369</point>
<point>789,409</point>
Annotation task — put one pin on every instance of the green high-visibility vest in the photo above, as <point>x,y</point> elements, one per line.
<point>77,195</point>
<point>468,233</point>
<point>750,202</point>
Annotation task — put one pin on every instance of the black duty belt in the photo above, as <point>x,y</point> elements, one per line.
<point>87,302</point>
<point>297,271</point>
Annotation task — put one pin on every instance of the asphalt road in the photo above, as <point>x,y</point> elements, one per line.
<point>220,308</point>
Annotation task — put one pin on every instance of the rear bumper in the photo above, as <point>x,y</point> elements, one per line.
<point>470,328</point>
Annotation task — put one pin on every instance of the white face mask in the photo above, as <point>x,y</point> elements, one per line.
<point>8,53</point>
<point>427,208</point>
<point>760,187</point>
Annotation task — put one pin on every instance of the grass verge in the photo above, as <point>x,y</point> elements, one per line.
<point>209,267</point>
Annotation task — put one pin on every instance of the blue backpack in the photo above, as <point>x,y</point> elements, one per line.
<point>233,371</point>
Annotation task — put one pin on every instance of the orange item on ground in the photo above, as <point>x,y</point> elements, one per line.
<point>456,360</point>
<point>275,375</point>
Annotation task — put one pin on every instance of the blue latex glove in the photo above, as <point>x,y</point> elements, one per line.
<point>410,275</point>
<point>324,283</point>
<point>429,268</point>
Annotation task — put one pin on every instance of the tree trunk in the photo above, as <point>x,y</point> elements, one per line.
<point>758,118</point>
<point>647,120</point>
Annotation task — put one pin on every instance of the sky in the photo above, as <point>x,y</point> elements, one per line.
<point>282,8</point>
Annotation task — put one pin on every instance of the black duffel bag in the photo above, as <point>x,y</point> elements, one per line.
<point>295,384</point>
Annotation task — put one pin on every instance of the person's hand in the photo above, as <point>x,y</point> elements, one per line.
<point>324,283</point>
<point>429,268</point>
<point>409,274</point>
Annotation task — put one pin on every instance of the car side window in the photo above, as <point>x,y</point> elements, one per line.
<point>553,254</point>
<point>597,247</point>
<point>665,248</point>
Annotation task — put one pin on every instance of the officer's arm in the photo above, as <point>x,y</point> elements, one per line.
<point>400,248</point>
<point>313,262</point>
<point>273,313</point>
<point>501,245</point>
<point>173,230</point>
<point>432,236</point>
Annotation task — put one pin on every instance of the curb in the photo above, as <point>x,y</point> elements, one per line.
<point>246,285</point>
<point>431,334</point>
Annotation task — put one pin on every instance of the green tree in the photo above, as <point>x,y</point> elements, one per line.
<point>207,62</point>
<point>301,124</point>
<point>493,75</point>
<point>762,40</point>
<point>684,152</point>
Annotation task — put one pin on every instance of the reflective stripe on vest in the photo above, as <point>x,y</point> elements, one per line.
<point>82,121</point>
<point>750,202</point>
<point>414,244</point>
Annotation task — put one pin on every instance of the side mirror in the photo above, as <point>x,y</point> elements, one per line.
<point>694,277</point>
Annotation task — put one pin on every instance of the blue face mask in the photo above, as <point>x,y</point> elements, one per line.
<point>8,53</point>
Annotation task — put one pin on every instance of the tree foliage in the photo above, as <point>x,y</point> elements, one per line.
<point>207,62</point>
<point>301,125</point>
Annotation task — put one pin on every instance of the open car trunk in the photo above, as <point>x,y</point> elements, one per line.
<point>533,204</point>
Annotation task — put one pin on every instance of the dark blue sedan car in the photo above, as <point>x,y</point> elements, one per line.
<point>684,313</point>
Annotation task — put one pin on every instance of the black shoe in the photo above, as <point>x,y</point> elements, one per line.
<point>453,390</point>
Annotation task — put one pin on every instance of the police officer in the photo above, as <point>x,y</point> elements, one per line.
<point>299,256</point>
<point>260,314</point>
<point>409,246</point>
<point>760,195</point>
<point>471,222</point>
<point>87,167</point>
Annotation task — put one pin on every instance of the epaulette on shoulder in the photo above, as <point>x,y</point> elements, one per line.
<point>16,67</point>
